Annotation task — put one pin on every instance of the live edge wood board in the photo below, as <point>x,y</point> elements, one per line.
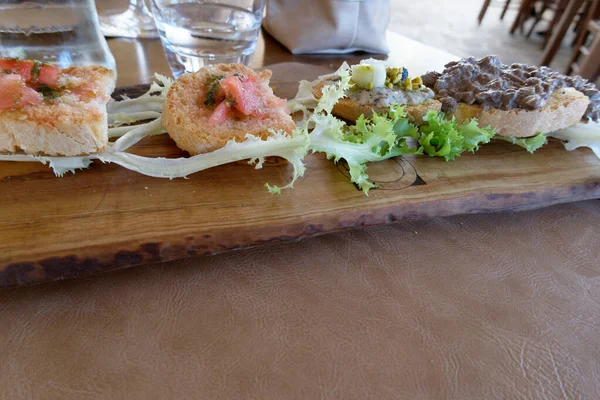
<point>107,217</point>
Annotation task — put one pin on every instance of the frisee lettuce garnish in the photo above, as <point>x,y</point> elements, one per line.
<point>530,144</point>
<point>382,136</point>
<point>374,138</point>
<point>370,140</point>
<point>446,138</point>
<point>292,147</point>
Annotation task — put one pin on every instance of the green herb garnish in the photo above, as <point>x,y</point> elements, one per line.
<point>35,71</point>
<point>213,87</point>
<point>48,92</point>
<point>230,101</point>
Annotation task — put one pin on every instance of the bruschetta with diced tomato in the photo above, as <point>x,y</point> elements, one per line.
<point>45,110</point>
<point>206,109</point>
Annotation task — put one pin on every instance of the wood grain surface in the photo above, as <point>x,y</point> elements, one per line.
<point>107,217</point>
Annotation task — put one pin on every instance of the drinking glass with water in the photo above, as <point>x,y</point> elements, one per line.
<point>199,33</point>
<point>58,32</point>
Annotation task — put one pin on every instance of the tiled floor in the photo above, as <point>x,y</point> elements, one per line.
<point>452,26</point>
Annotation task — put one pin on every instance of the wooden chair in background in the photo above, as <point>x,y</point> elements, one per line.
<point>539,13</point>
<point>486,4</point>
<point>589,12</point>
<point>557,7</point>
<point>589,65</point>
<point>561,27</point>
<point>525,11</point>
<point>580,14</point>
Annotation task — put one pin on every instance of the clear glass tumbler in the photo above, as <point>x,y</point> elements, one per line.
<point>199,33</point>
<point>135,22</point>
<point>58,32</point>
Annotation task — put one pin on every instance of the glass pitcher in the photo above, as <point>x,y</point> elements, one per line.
<point>58,32</point>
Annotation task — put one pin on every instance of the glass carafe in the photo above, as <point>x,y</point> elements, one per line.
<point>58,32</point>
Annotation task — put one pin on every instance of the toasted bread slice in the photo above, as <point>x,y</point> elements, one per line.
<point>565,108</point>
<point>186,117</point>
<point>350,110</point>
<point>74,123</point>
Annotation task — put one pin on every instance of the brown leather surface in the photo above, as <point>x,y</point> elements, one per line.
<point>481,306</point>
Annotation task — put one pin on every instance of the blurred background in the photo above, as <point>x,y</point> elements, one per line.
<point>563,34</point>
<point>454,27</point>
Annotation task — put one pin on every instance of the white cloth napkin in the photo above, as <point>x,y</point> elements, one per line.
<point>329,26</point>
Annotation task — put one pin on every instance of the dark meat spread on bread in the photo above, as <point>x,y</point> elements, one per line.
<point>489,83</point>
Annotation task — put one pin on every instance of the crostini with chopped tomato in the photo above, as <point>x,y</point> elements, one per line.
<point>45,110</point>
<point>206,109</point>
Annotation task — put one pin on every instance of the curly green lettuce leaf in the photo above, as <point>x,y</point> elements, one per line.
<point>474,135</point>
<point>332,137</point>
<point>439,136</point>
<point>372,139</point>
<point>376,138</point>
<point>386,135</point>
<point>530,144</point>
<point>331,94</point>
<point>446,138</point>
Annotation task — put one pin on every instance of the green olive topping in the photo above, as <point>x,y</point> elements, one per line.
<point>398,77</point>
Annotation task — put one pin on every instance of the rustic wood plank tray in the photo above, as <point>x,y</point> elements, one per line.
<point>107,217</point>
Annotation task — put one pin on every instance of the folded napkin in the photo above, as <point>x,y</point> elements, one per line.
<point>329,26</point>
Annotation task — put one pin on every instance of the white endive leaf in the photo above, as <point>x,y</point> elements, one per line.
<point>60,165</point>
<point>138,133</point>
<point>292,148</point>
<point>580,135</point>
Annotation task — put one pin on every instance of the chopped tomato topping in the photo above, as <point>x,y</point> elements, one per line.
<point>14,92</point>
<point>24,69</point>
<point>220,114</point>
<point>8,64</point>
<point>239,97</point>
<point>48,75</point>
<point>32,72</point>
<point>242,93</point>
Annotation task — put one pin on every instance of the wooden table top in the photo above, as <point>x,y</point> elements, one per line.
<point>498,305</point>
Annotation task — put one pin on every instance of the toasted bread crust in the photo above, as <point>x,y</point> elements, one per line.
<point>68,126</point>
<point>185,117</point>
<point>565,108</point>
<point>351,110</point>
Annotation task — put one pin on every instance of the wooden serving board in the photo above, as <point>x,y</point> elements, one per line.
<point>107,217</point>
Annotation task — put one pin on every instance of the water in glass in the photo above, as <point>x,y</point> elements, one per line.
<point>63,32</point>
<point>200,33</point>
